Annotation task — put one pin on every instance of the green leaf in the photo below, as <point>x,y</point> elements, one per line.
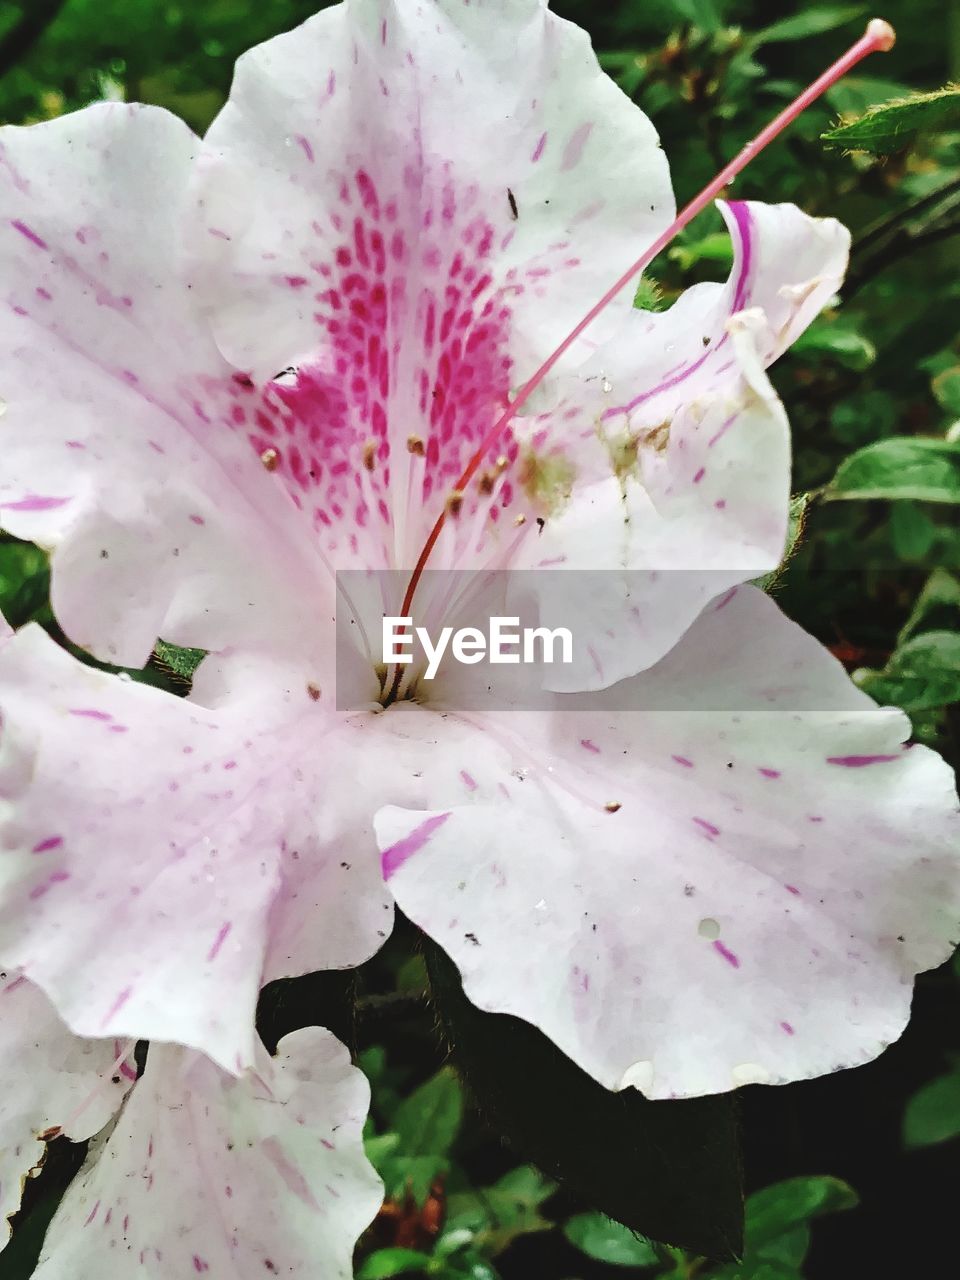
<point>946,387</point>
<point>412,1176</point>
<point>812,22</point>
<point>392,1262</point>
<point>379,1148</point>
<point>601,1238</point>
<point>933,1113</point>
<point>834,339</point>
<point>912,532</point>
<point>668,1170</point>
<point>182,662</point>
<point>496,1215</point>
<point>936,608</point>
<point>922,674</point>
<point>428,1121</point>
<point>787,1205</point>
<point>903,467</point>
<point>715,248</point>
<point>896,125</point>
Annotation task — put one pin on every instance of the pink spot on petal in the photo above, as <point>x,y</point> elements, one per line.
<point>394,857</point>
<point>769,773</point>
<point>51,842</point>
<point>792,888</point>
<point>28,233</point>
<point>117,1005</point>
<point>788,1028</point>
<point>573,151</point>
<point>859,762</point>
<point>468,781</point>
<point>687,764</point>
<point>708,827</point>
<point>727,954</point>
<point>539,148</point>
<point>589,746</point>
<point>34,502</point>
<point>219,940</point>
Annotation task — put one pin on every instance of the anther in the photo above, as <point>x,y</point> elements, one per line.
<point>415,445</point>
<point>370,455</point>
<point>521,519</point>
<point>486,482</point>
<point>613,806</point>
<point>455,502</point>
<point>270,458</point>
<point>314,691</point>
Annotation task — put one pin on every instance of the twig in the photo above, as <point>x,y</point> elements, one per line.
<point>898,247</point>
<point>891,221</point>
<point>20,39</point>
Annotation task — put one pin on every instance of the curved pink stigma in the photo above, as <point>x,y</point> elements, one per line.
<point>879,37</point>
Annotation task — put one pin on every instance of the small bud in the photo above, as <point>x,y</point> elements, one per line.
<point>270,458</point>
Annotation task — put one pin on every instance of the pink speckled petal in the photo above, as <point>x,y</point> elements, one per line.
<point>210,1175</point>
<point>151,842</point>
<point>686,483</point>
<point>415,262</point>
<point>777,871</point>
<point>50,1082</point>
<point>388,138</point>
<point>121,444</point>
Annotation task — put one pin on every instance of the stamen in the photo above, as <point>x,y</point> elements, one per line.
<point>127,1048</point>
<point>879,37</point>
<point>270,458</point>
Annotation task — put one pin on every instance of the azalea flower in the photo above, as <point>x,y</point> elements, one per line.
<point>407,209</point>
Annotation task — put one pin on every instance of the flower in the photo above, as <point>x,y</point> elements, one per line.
<point>404,207</point>
<point>200,1171</point>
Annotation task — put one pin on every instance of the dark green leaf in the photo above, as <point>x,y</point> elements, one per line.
<point>895,125</point>
<point>392,1262</point>
<point>428,1122</point>
<point>902,467</point>
<point>810,22</point>
<point>946,387</point>
<point>669,1170</point>
<point>601,1238</point>
<point>933,1113</point>
<point>922,674</point>
<point>786,1205</point>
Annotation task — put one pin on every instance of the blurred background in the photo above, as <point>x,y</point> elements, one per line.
<point>875,1152</point>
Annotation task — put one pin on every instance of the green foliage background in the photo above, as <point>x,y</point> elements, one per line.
<point>873,393</point>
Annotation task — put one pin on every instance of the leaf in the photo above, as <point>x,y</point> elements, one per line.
<point>787,1205</point>
<point>601,1238</point>
<point>922,674</point>
<point>714,248</point>
<point>428,1121</point>
<point>936,608</point>
<point>668,1170</point>
<point>833,339</point>
<point>895,125</point>
<point>182,662</point>
<point>912,532</point>
<point>497,1215</point>
<point>902,467</point>
<point>933,1113</point>
<point>392,1262</point>
<point>946,387</point>
<point>813,22</point>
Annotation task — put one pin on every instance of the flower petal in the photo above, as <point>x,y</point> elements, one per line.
<point>151,841</point>
<point>124,433</point>
<point>497,129</point>
<point>51,1082</point>
<point>735,882</point>
<point>245,1178</point>
<point>679,449</point>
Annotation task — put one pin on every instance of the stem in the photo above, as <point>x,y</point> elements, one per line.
<point>878,230</point>
<point>878,37</point>
<point>898,248</point>
<point>20,39</point>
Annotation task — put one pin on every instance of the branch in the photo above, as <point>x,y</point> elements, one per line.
<point>20,39</point>
<point>900,246</point>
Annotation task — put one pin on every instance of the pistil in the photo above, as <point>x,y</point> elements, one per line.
<point>879,37</point>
